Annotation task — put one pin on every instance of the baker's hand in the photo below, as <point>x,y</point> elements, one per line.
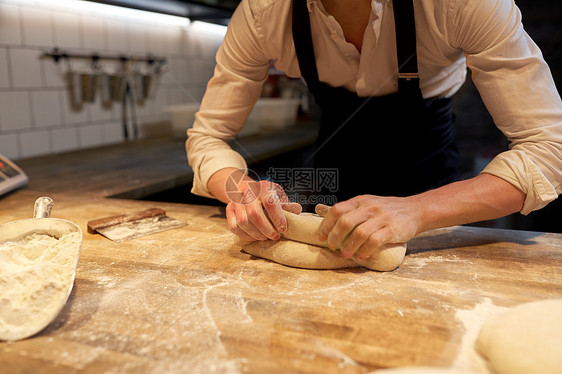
<point>362,224</point>
<point>258,213</point>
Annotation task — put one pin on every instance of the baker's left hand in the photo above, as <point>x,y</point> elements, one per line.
<point>362,224</point>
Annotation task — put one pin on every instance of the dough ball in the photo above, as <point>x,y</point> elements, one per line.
<point>526,339</point>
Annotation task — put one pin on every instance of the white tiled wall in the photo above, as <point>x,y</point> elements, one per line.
<point>36,117</point>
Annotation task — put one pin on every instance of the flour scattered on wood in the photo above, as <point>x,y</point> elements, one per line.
<point>421,262</point>
<point>34,279</point>
<point>468,358</point>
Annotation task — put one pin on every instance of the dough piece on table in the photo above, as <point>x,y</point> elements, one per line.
<point>304,250</point>
<point>298,255</point>
<point>525,339</point>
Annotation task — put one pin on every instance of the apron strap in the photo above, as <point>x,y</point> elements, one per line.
<point>405,29</point>
<point>405,26</point>
<point>302,39</point>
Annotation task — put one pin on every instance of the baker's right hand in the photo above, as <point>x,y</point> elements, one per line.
<point>258,213</point>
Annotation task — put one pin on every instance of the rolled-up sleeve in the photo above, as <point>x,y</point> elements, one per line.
<point>229,97</point>
<point>517,88</point>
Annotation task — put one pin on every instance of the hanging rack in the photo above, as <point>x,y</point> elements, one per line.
<point>157,63</point>
<point>57,54</point>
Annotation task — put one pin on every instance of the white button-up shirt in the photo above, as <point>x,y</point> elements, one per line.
<point>507,67</point>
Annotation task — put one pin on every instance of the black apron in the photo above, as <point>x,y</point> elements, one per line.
<point>393,145</point>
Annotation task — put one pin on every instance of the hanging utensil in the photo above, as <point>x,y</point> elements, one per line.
<point>138,88</point>
<point>137,85</point>
<point>129,97</point>
<point>105,90</point>
<point>89,86</point>
<point>118,87</point>
<point>90,81</point>
<point>119,80</point>
<point>152,81</point>
<point>74,86</point>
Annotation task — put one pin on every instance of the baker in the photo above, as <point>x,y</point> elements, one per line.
<point>383,73</point>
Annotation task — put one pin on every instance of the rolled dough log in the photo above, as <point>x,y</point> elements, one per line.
<point>300,247</point>
<point>298,255</point>
<point>525,339</point>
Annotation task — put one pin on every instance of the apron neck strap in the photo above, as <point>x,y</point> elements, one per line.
<point>405,28</point>
<point>302,38</point>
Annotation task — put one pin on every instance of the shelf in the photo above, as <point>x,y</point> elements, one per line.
<point>214,11</point>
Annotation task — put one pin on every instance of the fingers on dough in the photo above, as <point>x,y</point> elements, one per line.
<point>301,248</point>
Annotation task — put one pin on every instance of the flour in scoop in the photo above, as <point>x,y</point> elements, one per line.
<point>35,276</point>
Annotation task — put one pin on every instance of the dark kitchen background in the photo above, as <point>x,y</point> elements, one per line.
<point>37,118</point>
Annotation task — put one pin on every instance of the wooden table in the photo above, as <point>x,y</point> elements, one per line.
<point>189,300</point>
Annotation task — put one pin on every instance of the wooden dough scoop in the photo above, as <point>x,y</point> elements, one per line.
<point>39,259</point>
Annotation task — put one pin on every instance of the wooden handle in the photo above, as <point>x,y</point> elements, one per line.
<point>96,224</point>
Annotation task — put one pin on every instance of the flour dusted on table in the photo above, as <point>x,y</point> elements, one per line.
<point>35,276</point>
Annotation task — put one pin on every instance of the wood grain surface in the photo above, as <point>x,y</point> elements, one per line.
<point>190,300</point>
